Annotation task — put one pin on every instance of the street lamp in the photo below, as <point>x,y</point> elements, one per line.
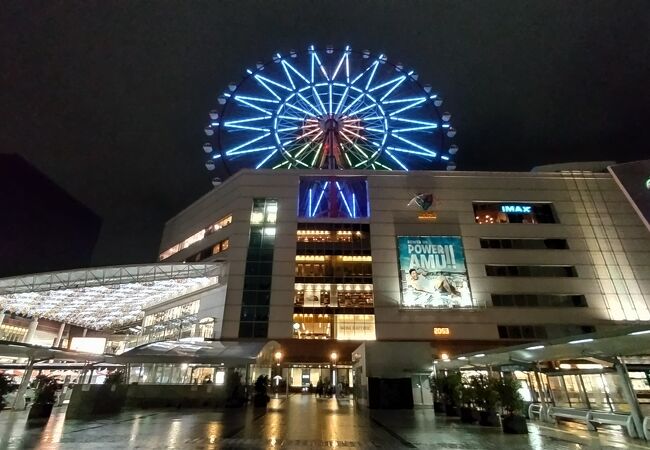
<point>333,357</point>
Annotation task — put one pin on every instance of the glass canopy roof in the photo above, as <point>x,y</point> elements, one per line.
<point>105,297</point>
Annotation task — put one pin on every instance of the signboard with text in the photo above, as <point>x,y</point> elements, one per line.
<point>432,272</point>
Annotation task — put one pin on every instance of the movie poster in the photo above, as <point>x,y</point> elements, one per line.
<point>432,272</point>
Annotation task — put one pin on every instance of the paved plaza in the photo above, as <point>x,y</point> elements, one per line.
<point>301,422</point>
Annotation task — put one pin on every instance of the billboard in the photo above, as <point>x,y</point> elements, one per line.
<point>432,272</point>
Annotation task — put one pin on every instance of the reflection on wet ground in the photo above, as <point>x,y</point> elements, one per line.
<point>301,422</point>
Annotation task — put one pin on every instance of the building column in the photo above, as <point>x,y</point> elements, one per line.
<point>2,317</point>
<point>19,402</point>
<point>59,336</point>
<point>630,396</point>
<point>31,331</point>
<point>543,416</point>
<point>85,332</point>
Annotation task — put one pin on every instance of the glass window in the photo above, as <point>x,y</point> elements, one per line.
<point>221,223</point>
<point>539,300</point>
<point>354,327</point>
<point>312,326</point>
<point>530,271</point>
<point>560,397</point>
<point>525,243</point>
<point>342,197</point>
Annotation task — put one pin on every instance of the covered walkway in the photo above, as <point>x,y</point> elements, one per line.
<point>599,379</point>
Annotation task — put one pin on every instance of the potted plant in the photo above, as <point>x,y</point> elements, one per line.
<point>435,385</point>
<point>261,398</point>
<point>450,388</point>
<point>45,388</point>
<point>112,394</point>
<point>468,411</point>
<point>7,385</point>
<point>234,390</point>
<point>487,398</point>
<point>512,420</point>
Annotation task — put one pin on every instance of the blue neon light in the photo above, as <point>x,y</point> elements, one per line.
<point>345,202</point>
<point>517,209</point>
<point>278,110</point>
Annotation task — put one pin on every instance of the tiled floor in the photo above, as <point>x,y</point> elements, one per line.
<point>302,422</point>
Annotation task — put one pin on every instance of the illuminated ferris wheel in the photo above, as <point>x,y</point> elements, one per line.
<point>331,109</point>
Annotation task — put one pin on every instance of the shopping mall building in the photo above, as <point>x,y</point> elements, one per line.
<point>333,240</point>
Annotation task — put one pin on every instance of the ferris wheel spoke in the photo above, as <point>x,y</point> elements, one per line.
<point>252,105</point>
<point>262,162</point>
<point>412,104</point>
<point>347,108</point>
<point>343,99</point>
<point>316,59</point>
<point>245,144</point>
<point>428,155</point>
<point>317,95</point>
<point>394,158</point>
<point>415,145</point>
<point>372,73</point>
<point>302,97</point>
<point>340,64</point>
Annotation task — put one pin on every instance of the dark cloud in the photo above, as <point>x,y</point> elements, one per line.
<point>109,98</point>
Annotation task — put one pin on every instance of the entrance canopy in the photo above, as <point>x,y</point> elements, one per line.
<point>105,297</point>
<point>228,353</point>
<point>623,341</point>
<point>12,350</point>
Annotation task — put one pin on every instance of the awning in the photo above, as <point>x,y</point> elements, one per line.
<point>623,341</point>
<point>228,353</point>
<point>10,350</point>
<point>104,297</point>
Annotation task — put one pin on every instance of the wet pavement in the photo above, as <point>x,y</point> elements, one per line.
<point>301,422</point>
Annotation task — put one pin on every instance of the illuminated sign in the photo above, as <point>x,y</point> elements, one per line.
<point>432,272</point>
<point>517,209</point>
<point>441,331</point>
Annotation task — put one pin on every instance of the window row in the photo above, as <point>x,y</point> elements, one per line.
<point>542,331</point>
<point>254,316</point>
<point>359,327</point>
<point>513,212</point>
<point>219,247</point>
<point>539,300</point>
<point>526,243</point>
<point>196,237</point>
<point>530,271</point>
<point>335,267</point>
<point>333,295</point>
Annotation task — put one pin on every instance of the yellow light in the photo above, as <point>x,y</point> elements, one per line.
<point>334,356</point>
<point>441,331</point>
<point>278,355</point>
<point>444,356</point>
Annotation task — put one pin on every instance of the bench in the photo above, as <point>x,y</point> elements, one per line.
<point>606,418</point>
<point>594,418</point>
<point>569,413</point>
<point>536,411</point>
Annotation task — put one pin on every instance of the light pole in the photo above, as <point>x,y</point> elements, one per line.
<point>334,356</point>
<point>278,363</point>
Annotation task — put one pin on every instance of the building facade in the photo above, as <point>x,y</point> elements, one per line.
<point>464,260</point>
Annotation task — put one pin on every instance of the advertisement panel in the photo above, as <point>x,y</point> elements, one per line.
<point>432,272</point>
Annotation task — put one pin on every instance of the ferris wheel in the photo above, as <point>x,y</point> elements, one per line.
<point>331,109</point>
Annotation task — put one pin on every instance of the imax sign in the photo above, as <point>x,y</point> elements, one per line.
<point>517,209</point>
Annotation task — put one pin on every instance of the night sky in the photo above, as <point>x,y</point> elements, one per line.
<point>109,98</point>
